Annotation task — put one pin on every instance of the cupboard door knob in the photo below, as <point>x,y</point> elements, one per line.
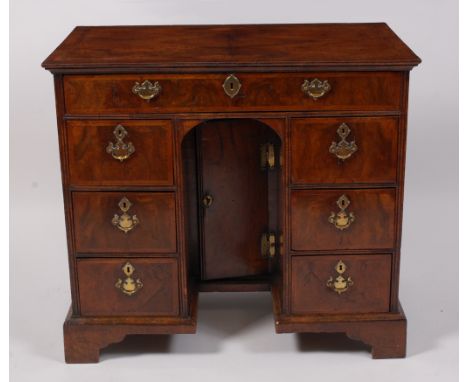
<point>125,222</point>
<point>342,219</point>
<point>129,286</point>
<point>147,90</point>
<point>207,201</point>
<point>120,150</point>
<point>343,149</point>
<point>315,88</point>
<point>340,284</point>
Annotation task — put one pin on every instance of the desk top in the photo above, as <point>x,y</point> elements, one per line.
<point>204,47</point>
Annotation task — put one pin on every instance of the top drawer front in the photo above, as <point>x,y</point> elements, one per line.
<point>112,94</point>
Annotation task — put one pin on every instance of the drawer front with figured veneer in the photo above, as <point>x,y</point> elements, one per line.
<point>125,153</point>
<point>124,222</point>
<point>205,92</point>
<point>344,150</point>
<point>128,287</point>
<point>340,284</point>
<point>342,219</point>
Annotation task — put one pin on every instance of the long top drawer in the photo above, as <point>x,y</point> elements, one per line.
<point>171,93</point>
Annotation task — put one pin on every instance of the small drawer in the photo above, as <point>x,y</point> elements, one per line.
<point>344,150</point>
<point>171,93</point>
<point>342,219</point>
<point>127,153</point>
<point>128,287</point>
<point>340,284</point>
<point>124,222</point>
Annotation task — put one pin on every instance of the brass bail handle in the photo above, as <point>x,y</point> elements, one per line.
<point>147,90</point>
<point>125,222</point>
<point>120,150</point>
<point>315,88</point>
<point>343,149</point>
<point>129,285</point>
<point>342,219</point>
<point>340,283</point>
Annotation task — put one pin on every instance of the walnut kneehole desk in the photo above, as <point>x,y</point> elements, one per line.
<point>233,158</point>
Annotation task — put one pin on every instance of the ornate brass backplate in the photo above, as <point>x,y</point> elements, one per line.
<point>146,90</point>
<point>315,88</point>
<point>129,285</point>
<point>231,85</point>
<point>340,284</point>
<point>342,219</point>
<point>120,150</point>
<point>125,222</point>
<point>343,149</point>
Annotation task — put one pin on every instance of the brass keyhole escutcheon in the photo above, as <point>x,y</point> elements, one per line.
<point>340,284</point>
<point>129,285</point>
<point>342,220</point>
<point>207,201</point>
<point>231,85</point>
<point>125,222</point>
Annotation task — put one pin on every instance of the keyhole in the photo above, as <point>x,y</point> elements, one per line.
<point>340,267</point>
<point>232,86</point>
<point>120,132</point>
<point>124,205</point>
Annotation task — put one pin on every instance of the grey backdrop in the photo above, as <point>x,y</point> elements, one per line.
<point>236,331</point>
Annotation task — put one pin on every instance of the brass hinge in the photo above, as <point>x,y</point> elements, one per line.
<point>268,245</point>
<point>267,156</point>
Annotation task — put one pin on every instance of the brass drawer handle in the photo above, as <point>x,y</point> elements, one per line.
<point>316,88</point>
<point>129,285</point>
<point>342,219</point>
<point>340,284</point>
<point>120,150</point>
<point>125,222</point>
<point>146,90</point>
<point>343,149</point>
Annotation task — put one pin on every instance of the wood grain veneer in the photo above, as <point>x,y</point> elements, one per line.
<point>192,140</point>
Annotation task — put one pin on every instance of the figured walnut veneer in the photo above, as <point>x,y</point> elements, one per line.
<point>233,158</point>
